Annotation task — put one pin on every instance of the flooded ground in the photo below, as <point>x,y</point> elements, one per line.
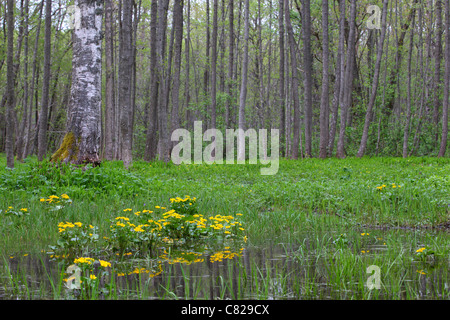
<point>328,266</point>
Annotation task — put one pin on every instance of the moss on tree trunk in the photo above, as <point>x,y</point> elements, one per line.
<point>68,151</point>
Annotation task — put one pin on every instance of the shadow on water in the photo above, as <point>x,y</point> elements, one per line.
<point>328,269</point>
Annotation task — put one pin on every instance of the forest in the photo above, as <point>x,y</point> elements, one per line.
<point>346,100</point>
<point>336,78</point>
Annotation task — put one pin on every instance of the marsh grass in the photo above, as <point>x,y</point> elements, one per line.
<point>303,226</point>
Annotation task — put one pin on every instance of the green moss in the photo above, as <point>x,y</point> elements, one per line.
<point>68,150</point>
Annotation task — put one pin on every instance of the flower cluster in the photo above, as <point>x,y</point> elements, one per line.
<point>380,188</point>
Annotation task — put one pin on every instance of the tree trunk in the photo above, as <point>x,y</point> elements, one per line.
<point>437,70</point>
<point>295,96</point>
<point>376,76</point>
<point>214,66</point>
<point>243,93</point>
<point>338,87</point>
<point>125,74</point>
<point>347,93</point>
<point>408,111</point>
<point>81,143</point>
<point>281,80</point>
<point>324,101</point>
<point>43,117</point>
<point>178,26</point>
<point>308,75</point>
<point>162,74</point>
<point>151,141</point>
<point>10,87</point>
<point>110,127</point>
<point>446,83</point>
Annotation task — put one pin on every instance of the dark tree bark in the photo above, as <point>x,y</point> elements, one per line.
<point>10,86</point>
<point>324,101</point>
<point>307,56</point>
<point>214,66</point>
<point>444,137</point>
<point>348,82</point>
<point>125,75</point>
<point>43,117</point>
<point>229,86</point>
<point>408,110</point>
<point>151,141</point>
<point>281,80</point>
<point>376,76</point>
<point>294,81</point>
<point>244,80</point>
<point>339,82</point>
<point>437,69</point>
<point>178,27</point>
<point>110,127</point>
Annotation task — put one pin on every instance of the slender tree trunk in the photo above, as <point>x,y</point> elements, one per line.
<point>437,70</point>
<point>308,75</point>
<point>125,70</point>
<point>243,93</point>
<point>178,26</point>
<point>408,111</point>
<point>10,87</point>
<point>109,84</point>
<point>229,86</point>
<point>24,123</point>
<point>43,117</point>
<point>162,72</point>
<point>324,101</point>
<point>295,95</point>
<point>347,94</point>
<point>214,66</point>
<point>338,87</point>
<point>81,143</point>
<point>443,145</point>
<point>376,76</point>
<point>151,141</point>
<point>281,80</point>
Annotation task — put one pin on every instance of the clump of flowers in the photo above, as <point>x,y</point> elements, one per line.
<point>424,253</point>
<point>75,238</point>
<point>86,274</point>
<point>56,203</point>
<point>10,211</point>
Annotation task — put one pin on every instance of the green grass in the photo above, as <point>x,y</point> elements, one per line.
<point>298,214</point>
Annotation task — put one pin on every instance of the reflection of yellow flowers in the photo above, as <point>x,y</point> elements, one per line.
<point>225,254</point>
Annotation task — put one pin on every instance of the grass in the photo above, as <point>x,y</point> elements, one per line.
<point>312,229</point>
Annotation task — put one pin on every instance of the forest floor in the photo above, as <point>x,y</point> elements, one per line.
<point>310,231</point>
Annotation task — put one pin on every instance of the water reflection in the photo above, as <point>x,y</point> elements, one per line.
<point>301,270</point>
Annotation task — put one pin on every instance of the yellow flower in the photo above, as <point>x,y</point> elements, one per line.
<point>65,196</point>
<point>93,277</point>
<point>420,250</point>
<point>127,209</point>
<point>104,263</point>
<point>24,209</point>
<point>42,200</point>
<point>79,224</point>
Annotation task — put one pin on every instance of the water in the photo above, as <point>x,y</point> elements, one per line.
<point>311,268</point>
